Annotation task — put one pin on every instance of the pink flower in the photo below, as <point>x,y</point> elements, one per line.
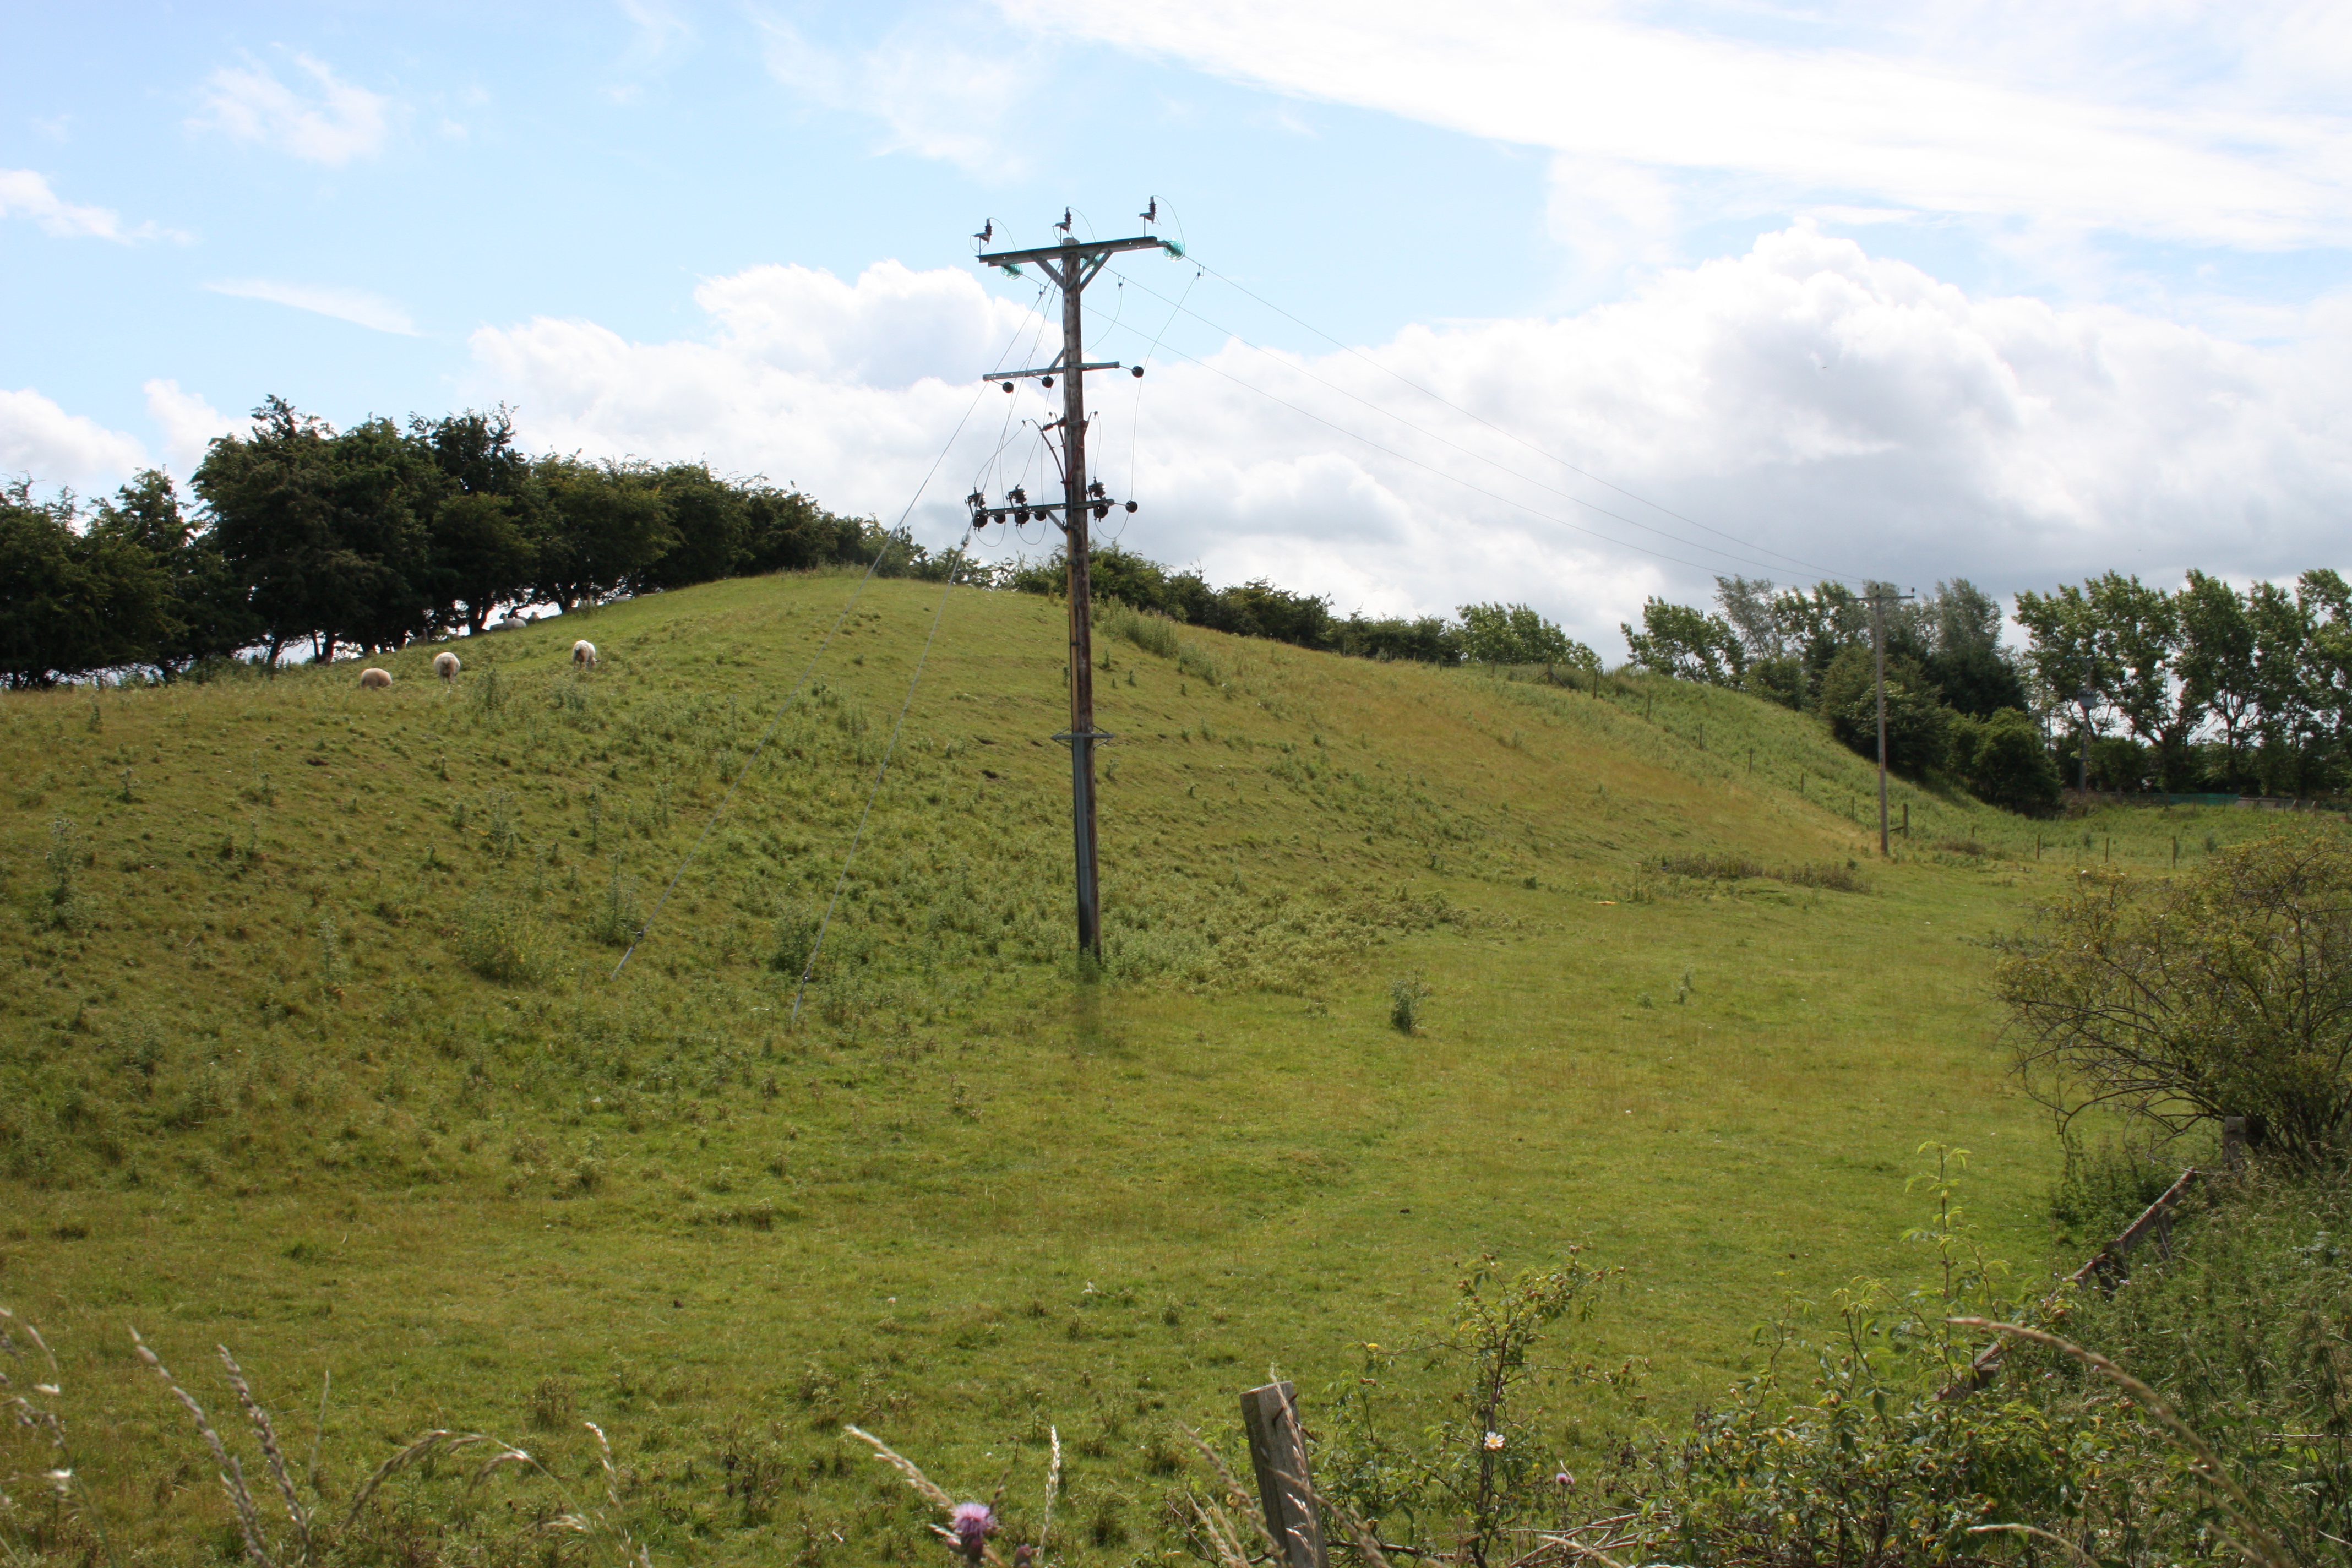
<point>973,1523</point>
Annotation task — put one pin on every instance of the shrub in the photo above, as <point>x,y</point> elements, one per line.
<point>1405,998</point>
<point>616,920</point>
<point>1154,634</point>
<point>2003,761</point>
<point>501,944</point>
<point>2224,992</point>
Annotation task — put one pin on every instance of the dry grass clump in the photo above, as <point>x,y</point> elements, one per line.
<point>314,1532</point>
<point>1728,867</point>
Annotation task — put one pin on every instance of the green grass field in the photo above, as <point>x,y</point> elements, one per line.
<point>312,1047</point>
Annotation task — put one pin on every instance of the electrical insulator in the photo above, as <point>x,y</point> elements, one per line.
<point>1137,373</point>
<point>1131,506</point>
<point>1101,512</point>
<point>1008,386</point>
<point>1048,384</point>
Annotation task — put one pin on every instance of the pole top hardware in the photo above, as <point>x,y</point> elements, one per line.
<point>1019,508</point>
<point>1049,372</point>
<point>1075,248</point>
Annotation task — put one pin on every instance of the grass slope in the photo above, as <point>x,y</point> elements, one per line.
<point>312,1047</point>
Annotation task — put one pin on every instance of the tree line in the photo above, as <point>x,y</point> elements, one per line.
<point>1484,634</point>
<point>296,533</point>
<point>2121,686</point>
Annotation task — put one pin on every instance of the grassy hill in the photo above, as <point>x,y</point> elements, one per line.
<point>314,1047</point>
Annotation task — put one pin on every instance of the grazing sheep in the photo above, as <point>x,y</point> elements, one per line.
<point>374,677</point>
<point>583,654</point>
<point>445,665</point>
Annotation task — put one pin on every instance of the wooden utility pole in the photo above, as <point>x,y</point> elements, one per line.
<point>1878,603</point>
<point>1070,266</point>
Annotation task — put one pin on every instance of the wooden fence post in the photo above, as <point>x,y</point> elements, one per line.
<point>1285,1489</point>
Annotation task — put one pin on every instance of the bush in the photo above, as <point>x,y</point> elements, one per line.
<point>2003,761</point>
<point>1405,998</point>
<point>501,944</point>
<point>2223,993</point>
<point>1155,634</point>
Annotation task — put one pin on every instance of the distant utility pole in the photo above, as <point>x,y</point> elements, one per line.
<point>1878,603</point>
<point>2085,697</point>
<point>1070,266</point>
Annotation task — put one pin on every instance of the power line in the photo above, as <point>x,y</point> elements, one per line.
<point>1480,456</point>
<point>1509,435</point>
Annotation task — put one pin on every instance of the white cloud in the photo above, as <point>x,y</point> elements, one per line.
<point>2159,121</point>
<point>189,423</point>
<point>356,306</point>
<point>25,193</point>
<point>2002,439</point>
<point>939,95</point>
<point>39,438</point>
<point>333,123</point>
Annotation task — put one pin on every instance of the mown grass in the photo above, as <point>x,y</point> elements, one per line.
<point>314,1047</point>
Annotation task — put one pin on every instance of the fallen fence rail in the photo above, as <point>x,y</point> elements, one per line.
<point>2108,1267</point>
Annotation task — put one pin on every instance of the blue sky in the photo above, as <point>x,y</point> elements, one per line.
<point>1960,290</point>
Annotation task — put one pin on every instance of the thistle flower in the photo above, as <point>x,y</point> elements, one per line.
<point>973,1523</point>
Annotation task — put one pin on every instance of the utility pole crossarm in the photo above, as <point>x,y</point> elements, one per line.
<point>1074,250</point>
<point>1055,369</point>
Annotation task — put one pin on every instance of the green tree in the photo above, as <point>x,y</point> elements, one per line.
<point>2003,761</point>
<point>73,601</point>
<point>1515,634</point>
<point>205,610</point>
<point>1915,721</point>
<point>2139,632</point>
<point>604,525</point>
<point>323,533</point>
<point>785,530</point>
<point>2062,654</point>
<point>1687,643</point>
<point>1973,673</point>
<point>2216,662</point>
<point>2327,674</point>
<point>2282,626</point>
<point>712,521</point>
<point>482,529</point>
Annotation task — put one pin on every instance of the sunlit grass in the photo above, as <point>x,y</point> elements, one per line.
<point>319,1051</point>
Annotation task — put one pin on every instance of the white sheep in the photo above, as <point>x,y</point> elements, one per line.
<point>583,654</point>
<point>445,665</point>
<point>372,677</point>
